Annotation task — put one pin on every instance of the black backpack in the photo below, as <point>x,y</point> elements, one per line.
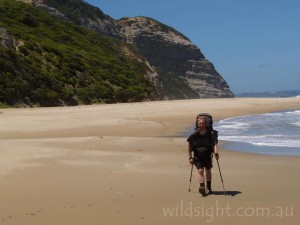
<point>209,125</point>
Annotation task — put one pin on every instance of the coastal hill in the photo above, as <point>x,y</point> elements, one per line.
<point>56,52</point>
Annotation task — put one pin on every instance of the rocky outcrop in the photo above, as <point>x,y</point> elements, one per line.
<point>169,51</point>
<point>80,13</point>
<point>6,40</point>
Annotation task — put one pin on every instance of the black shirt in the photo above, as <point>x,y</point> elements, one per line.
<point>201,143</point>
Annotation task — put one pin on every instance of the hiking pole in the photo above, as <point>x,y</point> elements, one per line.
<point>191,177</point>
<point>221,177</point>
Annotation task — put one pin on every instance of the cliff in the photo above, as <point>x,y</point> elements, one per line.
<point>176,68</point>
<point>169,51</point>
<point>179,69</point>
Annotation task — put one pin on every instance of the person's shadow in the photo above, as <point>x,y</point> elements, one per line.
<point>229,193</point>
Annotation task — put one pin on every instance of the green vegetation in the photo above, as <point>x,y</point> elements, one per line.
<point>57,63</point>
<point>176,87</point>
<point>75,9</point>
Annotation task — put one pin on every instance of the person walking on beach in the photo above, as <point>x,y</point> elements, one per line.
<point>203,145</point>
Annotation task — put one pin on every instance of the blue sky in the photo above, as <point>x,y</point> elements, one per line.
<point>253,44</point>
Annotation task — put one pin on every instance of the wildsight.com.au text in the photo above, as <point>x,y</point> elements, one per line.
<point>211,212</point>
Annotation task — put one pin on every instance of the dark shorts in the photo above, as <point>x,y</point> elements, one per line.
<point>203,161</point>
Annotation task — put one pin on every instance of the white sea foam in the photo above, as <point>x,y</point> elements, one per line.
<point>234,125</point>
<point>297,124</point>
<point>279,129</point>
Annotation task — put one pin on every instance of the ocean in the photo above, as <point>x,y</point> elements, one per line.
<point>276,133</point>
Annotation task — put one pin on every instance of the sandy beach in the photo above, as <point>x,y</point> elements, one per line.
<point>127,164</point>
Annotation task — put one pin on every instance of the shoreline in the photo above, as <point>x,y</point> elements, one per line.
<point>247,141</point>
<point>260,150</point>
<point>123,164</point>
<point>247,147</point>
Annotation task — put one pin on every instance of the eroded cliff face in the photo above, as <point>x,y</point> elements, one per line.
<point>171,52</point>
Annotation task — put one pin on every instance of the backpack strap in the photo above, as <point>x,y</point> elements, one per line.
<point>213,137</point>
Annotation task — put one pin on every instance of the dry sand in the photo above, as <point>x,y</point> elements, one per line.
<point>126,164</point>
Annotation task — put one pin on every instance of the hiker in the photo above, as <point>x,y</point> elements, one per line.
<point>203,143</point>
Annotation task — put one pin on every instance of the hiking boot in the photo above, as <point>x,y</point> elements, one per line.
<point>202,191</point>
<point>208,185</point>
